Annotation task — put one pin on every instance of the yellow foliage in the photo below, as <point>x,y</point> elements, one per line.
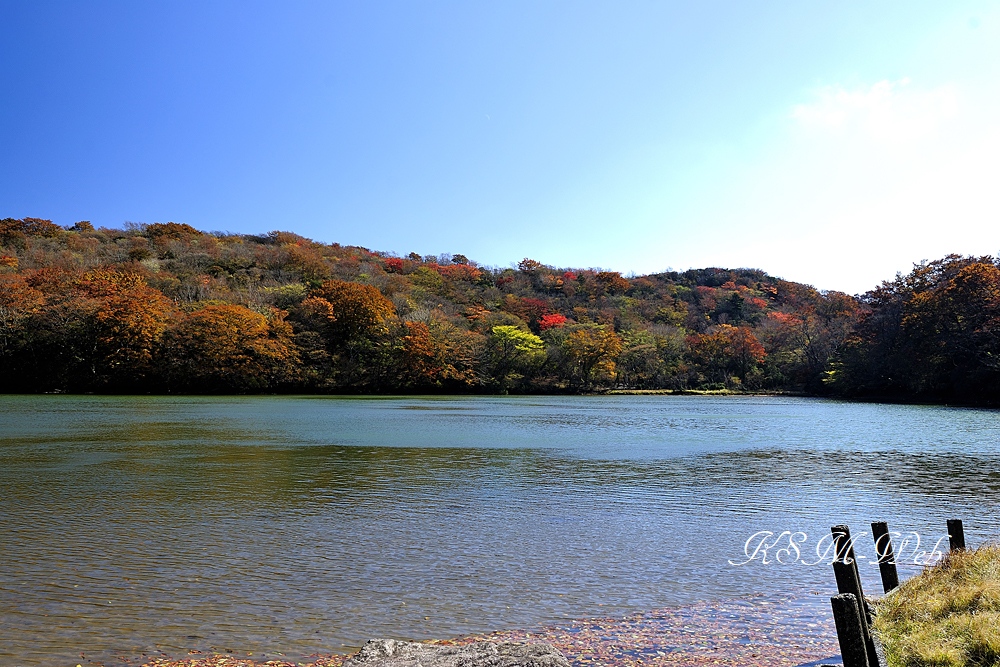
<point>948,616</point>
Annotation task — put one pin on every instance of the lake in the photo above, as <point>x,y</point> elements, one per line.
<point>309,524</point>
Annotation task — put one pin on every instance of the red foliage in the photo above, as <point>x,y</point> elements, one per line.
<point>551,321</point>
<point>786,319</point>
<point>745,348</point>
<point>534,308</point>
<point>706,297</point>
<point>51,279</point>
<point>393,265</point>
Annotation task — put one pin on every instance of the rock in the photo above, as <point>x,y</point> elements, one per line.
<point>392,653</point>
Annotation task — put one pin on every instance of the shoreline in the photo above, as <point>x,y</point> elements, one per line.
<point>753,631</point>
<point>701,392</point>
<point>876,400</point>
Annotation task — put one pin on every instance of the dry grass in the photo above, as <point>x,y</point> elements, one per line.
<point>949,616</point>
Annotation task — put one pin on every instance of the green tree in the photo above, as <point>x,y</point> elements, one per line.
<point>512,353</point>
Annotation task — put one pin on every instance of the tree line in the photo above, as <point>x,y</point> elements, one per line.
<point>932,335</point>
<point>165,307</point>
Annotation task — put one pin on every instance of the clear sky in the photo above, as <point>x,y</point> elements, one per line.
<point>833,143</point>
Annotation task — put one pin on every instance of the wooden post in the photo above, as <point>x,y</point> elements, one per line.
<point>842,540</point>
<point>844,550</point>
<point>956,534</point>
<point>849,584</point>
<point>886,557</point>
<point>847,616</point>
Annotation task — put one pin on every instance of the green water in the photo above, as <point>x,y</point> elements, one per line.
<point>135,525</point>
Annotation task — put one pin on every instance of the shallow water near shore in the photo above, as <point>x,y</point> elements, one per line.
<point>303,525</point>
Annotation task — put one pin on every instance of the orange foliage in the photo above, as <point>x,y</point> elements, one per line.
<point>476,313</point>
<point>130,317</point>
<point>229,348</point>
<point>550,282</point>
<point>593,349</point>
<point>355,309</point>
<point>459,272</point>
<point>727,349</point>
<point>420,364</point>
<point>51,279</point>
<point>17,294</point>
<point>172,230</point>
<point>309,262</point>
<point>979,282</point>
<point>101,330</point>
<point>613,282</point>
<point>14,231</point>
<point>785,319</point>
<point>18,300</point>
<point>458,351</point>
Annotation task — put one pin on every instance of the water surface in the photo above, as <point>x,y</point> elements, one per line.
<point>304,524</point>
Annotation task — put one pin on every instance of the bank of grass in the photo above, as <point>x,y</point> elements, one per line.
<point>948,616</point>
<point>700,392</point>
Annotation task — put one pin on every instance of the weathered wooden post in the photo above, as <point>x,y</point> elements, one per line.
<point>850,633</point>
<point>845,569</point>
<point>844,552</point>
<point>886,557</point>
<point>849,584</point>
<point>956,534</point>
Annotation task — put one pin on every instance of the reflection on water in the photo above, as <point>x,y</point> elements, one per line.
<point>311,524</point>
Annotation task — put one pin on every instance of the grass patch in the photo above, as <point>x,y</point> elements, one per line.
<point>948,616</point>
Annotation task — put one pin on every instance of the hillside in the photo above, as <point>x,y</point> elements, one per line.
<point>168,308</point>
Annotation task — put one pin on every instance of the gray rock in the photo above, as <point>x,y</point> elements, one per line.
<point>392,653</point>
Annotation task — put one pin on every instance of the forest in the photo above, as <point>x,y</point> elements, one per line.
<point>166,308</point>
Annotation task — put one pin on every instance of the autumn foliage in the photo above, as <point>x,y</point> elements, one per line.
<point>931,335</point>
<point>552,321</point>
<point>229,348</point>
<point>165,307</point>
<point>351,310</point>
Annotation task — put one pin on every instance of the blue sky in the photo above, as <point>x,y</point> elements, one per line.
<point>833,143</point>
